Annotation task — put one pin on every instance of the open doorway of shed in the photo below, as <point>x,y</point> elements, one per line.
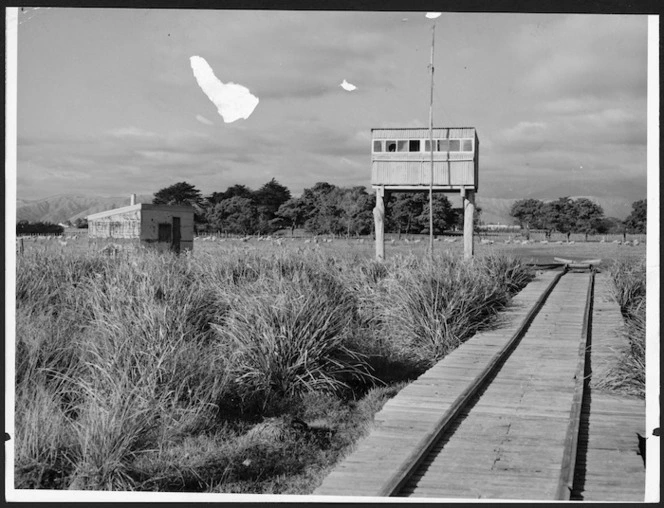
<point>176,235</point>
<point>164,233</point>
<point>171,234</point>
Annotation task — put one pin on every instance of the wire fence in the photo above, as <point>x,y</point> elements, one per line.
<point>539,236</point>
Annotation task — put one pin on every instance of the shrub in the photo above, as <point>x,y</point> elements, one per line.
<point>44,438</point>
<point>160,372</point>
<point>629,289</point>
<point>289,337</point>
<point>434,308</point>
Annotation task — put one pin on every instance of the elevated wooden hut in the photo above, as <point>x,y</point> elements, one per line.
<point>402,160</point>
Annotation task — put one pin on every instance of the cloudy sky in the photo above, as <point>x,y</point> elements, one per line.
<point>109,102</point>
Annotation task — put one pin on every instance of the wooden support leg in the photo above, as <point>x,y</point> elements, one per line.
<point>379,219</point>
<point>468,220</point>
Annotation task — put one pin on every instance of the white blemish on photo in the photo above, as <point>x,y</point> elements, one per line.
<point>349,87</point>
<point>233,101</point>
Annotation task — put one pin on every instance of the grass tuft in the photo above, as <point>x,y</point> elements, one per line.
<point>629,290</point>
<point>233,370</point>
<point>431,310</point>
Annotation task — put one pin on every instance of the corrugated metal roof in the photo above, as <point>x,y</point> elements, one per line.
<point>423,132</point>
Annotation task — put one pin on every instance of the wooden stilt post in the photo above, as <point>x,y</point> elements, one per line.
<point>379,219</point>
<point>468,220</point>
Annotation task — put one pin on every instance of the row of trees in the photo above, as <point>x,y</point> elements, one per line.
<point>636,221</point>
<point>24,227</point>
<point>329,209</point>
<point>581,215</point>
<point>321,209</point>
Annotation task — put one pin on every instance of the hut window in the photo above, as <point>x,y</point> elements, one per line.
<point>414,145</point>
<point>443,145</point>
<point>455,145</point>
<point>377,146</point>
<point>467,145</point>
<point>116,229</point>
<point>391,146</point>
<point>402,145</point>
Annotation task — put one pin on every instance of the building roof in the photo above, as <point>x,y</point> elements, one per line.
<point>423,132</point>
<point>140,206</point>
<point>418,128</point>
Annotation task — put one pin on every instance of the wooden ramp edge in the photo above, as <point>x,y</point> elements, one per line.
<point>407,420</point>
<point>614,468</point>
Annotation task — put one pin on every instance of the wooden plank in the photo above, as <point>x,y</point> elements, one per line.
<point>613,470</point>
<point>542,357</point>
<point>519,457</point>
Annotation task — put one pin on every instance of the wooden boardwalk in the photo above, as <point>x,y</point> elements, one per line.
<point>611,469</point>
<point>508,442</point>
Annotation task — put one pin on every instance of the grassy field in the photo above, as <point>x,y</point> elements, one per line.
<point>245,366</point>
<point>532,252</point>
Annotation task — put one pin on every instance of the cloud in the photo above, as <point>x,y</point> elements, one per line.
<point>64,174</point>
<point>524,130</point>
<point>233,101</point>
<point>566,99</point>
<point>204,120</point>
<point>349,162</point>
<point>131,132</point>
<point>146,161</point>
<point>583,56</point>
<point>297,42</point>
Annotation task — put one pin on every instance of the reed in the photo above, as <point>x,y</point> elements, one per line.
<point>157,372</point>
<point>429,310</point>
<point>629,290</point>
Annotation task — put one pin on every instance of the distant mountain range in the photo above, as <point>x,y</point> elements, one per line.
<point>64,207</point>
<point>497,210</point>
<point>57,209</point>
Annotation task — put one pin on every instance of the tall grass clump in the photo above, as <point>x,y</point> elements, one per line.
<point>431,309</point>
<point>46,365</point>
<point>629,290</point>
<point>150,370</point>
<point>232,370</point>
<point>121,347</point>
<point>289,332</point>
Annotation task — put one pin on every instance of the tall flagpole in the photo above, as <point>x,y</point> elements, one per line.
<point>433,37</point>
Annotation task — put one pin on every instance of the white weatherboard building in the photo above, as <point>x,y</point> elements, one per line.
<point>164,227</point>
